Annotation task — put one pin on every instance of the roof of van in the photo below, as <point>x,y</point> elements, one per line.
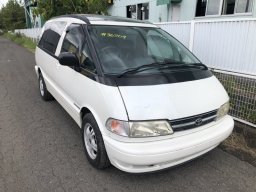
<point>97,19</point>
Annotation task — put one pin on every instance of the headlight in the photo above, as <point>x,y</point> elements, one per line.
<point>139,129</point>
<point>223,110</point>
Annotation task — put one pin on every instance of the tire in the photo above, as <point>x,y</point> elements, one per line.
<point>45,94</point>
<point>93,143</point>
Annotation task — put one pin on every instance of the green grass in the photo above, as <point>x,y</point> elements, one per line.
<point>22,40</point>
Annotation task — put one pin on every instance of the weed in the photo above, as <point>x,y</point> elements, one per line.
<point>21,40</point>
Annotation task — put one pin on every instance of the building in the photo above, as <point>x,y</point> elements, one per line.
<point>182,10</point>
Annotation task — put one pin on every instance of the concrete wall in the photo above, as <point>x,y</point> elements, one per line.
<point>188,10</point>
<point>163,13</point>
<point>156,13</point>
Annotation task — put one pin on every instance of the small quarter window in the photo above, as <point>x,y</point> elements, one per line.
<point>139,11</point>
<point>143,11</point>
<point>213,7</point>
<point>243,6</point>
<point>228,7</point>
<point>131,11</point>
<point>223,7</point>
<point>201,8</point>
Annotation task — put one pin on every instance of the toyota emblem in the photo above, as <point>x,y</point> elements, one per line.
<point>199,121</point>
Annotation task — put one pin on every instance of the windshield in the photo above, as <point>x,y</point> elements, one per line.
<point>121,48</point>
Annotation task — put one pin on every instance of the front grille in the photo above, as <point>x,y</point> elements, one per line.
<point>193,121</point>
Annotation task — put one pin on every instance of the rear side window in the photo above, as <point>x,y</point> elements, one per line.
<point>49,41</point>
<point>51,36</point>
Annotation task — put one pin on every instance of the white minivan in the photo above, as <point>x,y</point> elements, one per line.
<point>143,101</point>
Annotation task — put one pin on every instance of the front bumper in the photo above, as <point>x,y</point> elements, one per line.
<point>157,155</point>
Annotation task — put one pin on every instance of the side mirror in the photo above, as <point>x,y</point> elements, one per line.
<point>68,59</point>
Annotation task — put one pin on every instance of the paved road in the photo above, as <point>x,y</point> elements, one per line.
<point>41,147</point>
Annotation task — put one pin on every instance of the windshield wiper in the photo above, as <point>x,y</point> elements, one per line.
<point>165,64</point>
<point>138,69</point>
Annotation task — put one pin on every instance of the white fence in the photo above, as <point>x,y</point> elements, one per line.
<point>31,33</point>
<point>221,44</point>
<point>228,45</point>
<point>180,30</point>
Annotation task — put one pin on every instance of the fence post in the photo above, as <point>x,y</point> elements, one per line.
<point>192,34</point>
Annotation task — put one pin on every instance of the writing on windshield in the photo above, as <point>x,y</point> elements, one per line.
<point>113,35</point>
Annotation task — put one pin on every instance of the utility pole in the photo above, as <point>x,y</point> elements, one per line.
<point>27,13</point>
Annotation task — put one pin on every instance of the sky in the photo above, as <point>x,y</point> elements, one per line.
<point>3,2</point>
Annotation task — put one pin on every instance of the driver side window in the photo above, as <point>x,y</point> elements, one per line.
<point>86,59</point>
<point>75,42</point>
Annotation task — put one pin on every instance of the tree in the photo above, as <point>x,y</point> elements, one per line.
<point>12,16</point>
<point>1,21</point>
<point>98,6</point>
<point>51,8</point>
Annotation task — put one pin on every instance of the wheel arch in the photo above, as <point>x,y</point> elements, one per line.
<point>38,70</point>
<point>85,110</point>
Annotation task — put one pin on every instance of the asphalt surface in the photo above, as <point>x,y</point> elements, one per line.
<point>41,147</point>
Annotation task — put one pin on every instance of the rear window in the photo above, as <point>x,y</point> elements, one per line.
<point>51,36</point>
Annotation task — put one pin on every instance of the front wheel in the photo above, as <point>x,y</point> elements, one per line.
<point>93,143</point>
<point>45,94</point>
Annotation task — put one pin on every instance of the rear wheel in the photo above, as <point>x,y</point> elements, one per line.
<point>45,94</point>
<point>93,143</point>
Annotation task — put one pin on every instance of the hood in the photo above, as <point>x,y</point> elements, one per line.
<point>173,101</point>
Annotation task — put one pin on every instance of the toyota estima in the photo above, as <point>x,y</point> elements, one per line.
<point>141,99</point>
